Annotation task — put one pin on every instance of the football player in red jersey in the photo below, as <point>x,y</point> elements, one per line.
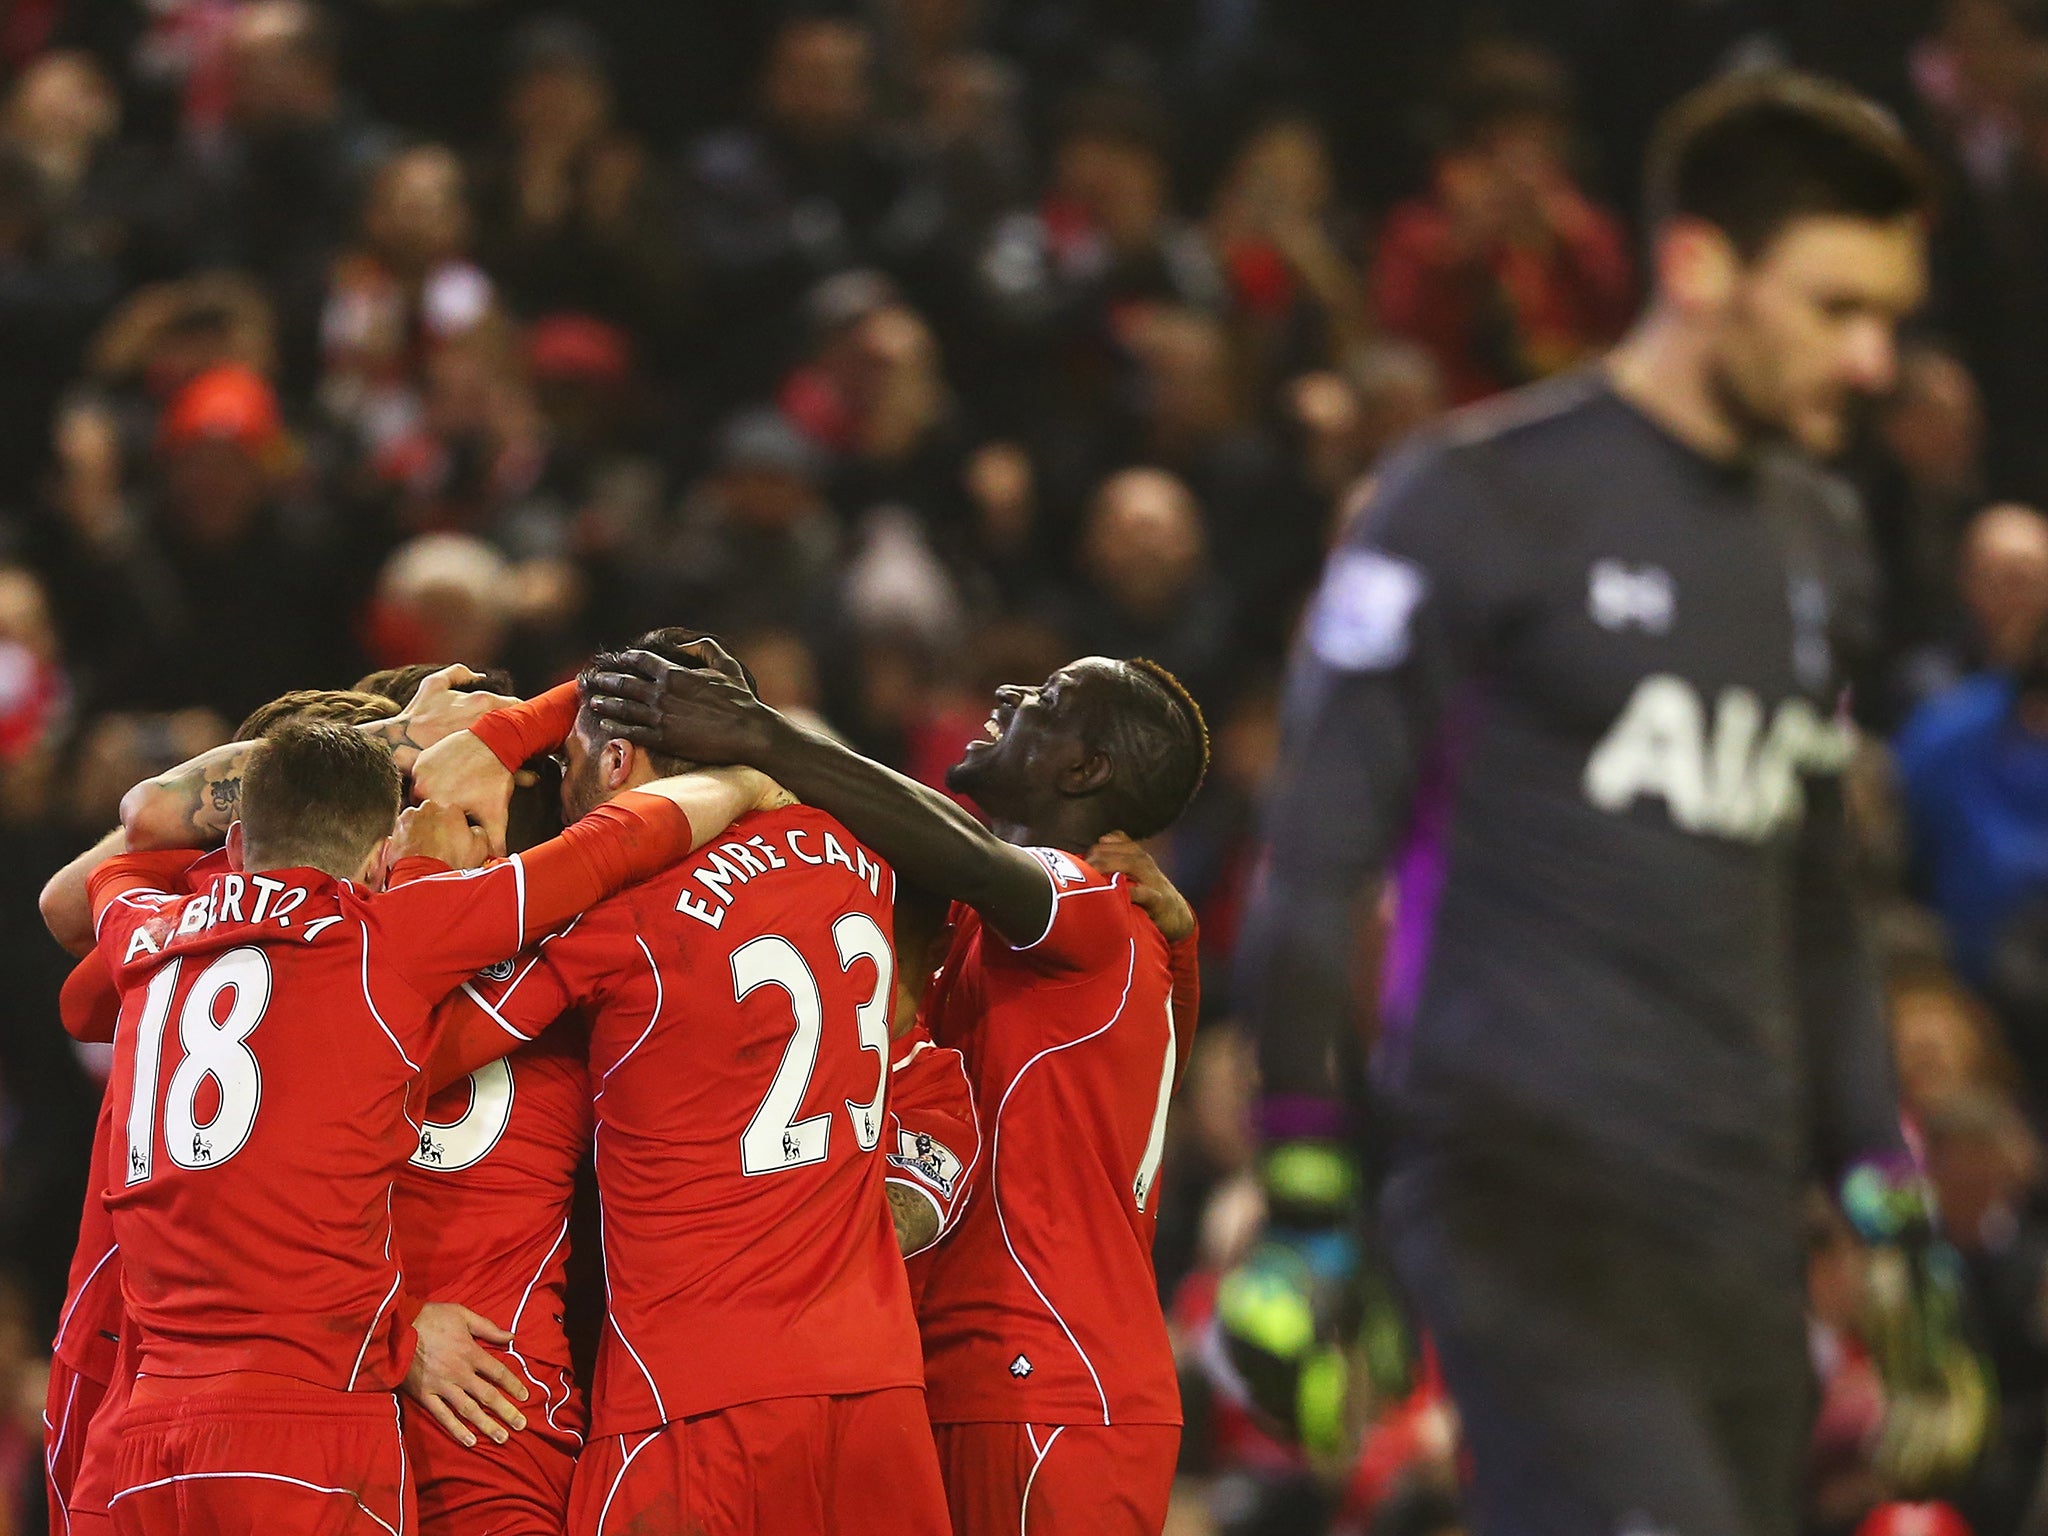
<point>90,1329</point>
<point>1048,1371</point>
<point>256,1164</point>
<point>759,1369</point>
<point>482,1216</point>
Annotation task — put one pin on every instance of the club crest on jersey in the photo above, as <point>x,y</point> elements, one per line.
<point>922,1154</point>
<point>1737,776</point>
<point>1064,871</point>
<point>1620,596</point>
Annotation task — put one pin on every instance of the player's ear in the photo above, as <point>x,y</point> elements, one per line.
<point>376,872</point>
<point>1697,266</point>
<point>235,847</point>
<point>615,763</point>
<point>1088,776</point>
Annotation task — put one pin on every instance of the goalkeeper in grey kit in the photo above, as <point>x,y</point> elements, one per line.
<point>1574,678</point>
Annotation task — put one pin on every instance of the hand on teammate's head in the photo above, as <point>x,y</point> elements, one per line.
<point>443,706</point>
<point>461,773</point>
<point>432,830</point>
<point>698,714</point>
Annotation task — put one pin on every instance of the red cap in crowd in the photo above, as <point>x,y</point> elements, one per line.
<point>226,403</point>
<point>578,349</point>
<point>1914,1520</point>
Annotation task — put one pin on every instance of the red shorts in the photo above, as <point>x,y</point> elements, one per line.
<point>789,1466</point>
<point>1058,1479</point>
<point>94,1483</point>
<point>520,1488</point>
<point>68,1408</point>
<point>250,1454</point>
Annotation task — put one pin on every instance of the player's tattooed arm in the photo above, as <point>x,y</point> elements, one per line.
<point>192,806</point>
<point>439,709</point>
<point>703,716</point>
<point>916,1219</point>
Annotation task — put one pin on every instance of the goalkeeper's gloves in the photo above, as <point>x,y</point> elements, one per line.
<point>1938,1398</point>
<point>1282,1326</point>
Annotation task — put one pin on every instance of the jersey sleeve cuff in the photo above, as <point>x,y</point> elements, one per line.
<point>416,867</point>
<point>524,730</point>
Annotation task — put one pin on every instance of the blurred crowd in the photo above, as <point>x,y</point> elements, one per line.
<point>919,345</point>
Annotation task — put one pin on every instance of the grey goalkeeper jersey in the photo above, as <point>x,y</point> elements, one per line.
<point>1578,689</point>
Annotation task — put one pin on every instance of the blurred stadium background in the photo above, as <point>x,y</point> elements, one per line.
<point>918,345</point>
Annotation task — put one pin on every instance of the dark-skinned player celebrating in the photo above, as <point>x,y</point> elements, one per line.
<point>1049,1376</point>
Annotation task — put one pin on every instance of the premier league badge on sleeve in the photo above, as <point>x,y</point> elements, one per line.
<point>919,1153</point>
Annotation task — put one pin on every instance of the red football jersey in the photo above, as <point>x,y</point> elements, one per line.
<point>258,1137</point>
<point>739,1052</point>
<point>483,1206</point>
<point>89,1327</point>
<point>1041,1307</point>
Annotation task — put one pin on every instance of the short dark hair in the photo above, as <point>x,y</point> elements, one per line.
<point>318,795</point>
<point>1154,733</point>
<point>1119,115</point>
<point>342,706</point>
<point>671,643</point>
<point>1751,153</point>
<point>1502,84</point>
<point>401,683</point>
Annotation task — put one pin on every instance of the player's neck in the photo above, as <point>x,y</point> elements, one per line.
<point>1660,368</point>
<point>1051,833</point>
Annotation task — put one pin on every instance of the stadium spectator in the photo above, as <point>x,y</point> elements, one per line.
<point>110,199</point>
<point>872,395</point>
<point>1925,482</point>
<point>1985,1164</point>
<point>278,190</point>
<point>2001,597</point>
<point>574,211</point>
<point>754,542</point>
<point>1982,79</point>
<point>1290,250</point>
<point>1152,590</point>
<point>1104,236</point>
<point>812,185</point>
<point>1973,764</point>
<point>2005,583</point>
<point>1506,271</point>
<point>1264,518</point>
<point>141,579</point>
<point>403,289</point>
<point>1944,1040</point>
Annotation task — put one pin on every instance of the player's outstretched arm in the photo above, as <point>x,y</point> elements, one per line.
<point>65,903</point>
<point>193,805</point>
<point>702,716</point>
<point>456,1379</point>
